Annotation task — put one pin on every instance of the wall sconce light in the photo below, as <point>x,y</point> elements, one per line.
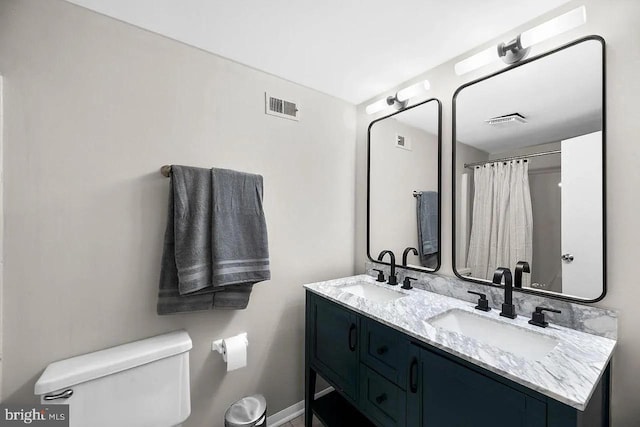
<point>400,99</point>
<point>518,48</point>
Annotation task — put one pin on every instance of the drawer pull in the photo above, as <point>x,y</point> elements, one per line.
<point>381,398</point>
<point>382,350</point>
<point>353,342</point>
<point>413,375</point>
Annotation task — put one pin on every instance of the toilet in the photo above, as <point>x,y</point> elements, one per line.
<point>140,384</point>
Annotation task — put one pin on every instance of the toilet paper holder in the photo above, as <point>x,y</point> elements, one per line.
<point>218,345</point>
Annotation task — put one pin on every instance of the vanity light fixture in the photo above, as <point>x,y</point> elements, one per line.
<point>518,48</point>
<point>400,99</point>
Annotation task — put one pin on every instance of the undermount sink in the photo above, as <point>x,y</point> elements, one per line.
<point>372,292</point>
<point>513,339</point>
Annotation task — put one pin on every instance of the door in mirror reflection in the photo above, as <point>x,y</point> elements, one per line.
<point>404,170</point>
<point>529,175</point>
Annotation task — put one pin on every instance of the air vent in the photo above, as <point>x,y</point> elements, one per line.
<point>507,120</point>
<point>281,108</point>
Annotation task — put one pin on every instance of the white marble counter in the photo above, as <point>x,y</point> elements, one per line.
<point>569,373</point>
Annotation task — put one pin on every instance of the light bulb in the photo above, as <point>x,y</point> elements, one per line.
<point>413,90</point>
<point>553,27</point>
<point>377,106</point>
<point>478,60</point>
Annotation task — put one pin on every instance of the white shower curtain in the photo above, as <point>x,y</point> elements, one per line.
<point>502,220</point>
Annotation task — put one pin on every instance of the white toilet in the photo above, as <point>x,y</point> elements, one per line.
<point>140,384</point>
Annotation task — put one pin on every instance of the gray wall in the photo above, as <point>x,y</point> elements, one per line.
<point>618,21</point>
<point>93,108</point>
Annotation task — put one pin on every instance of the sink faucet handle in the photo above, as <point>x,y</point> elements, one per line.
<point>537,317</point>
<point>406,283</point>
<point>483,303</point>
<point>380,275</point>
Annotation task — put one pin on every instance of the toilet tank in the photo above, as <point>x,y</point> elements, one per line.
<point>140,384</point>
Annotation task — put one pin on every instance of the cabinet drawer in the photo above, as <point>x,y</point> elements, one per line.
<point>385,350</point>
<point>383,401</point>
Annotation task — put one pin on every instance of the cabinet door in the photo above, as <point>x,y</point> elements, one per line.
<point>335,345</point>
<point>455,396</point>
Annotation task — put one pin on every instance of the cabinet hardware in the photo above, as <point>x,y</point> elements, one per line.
<point>382,350</point>
<point>381,398</point>
<point>413,375</point>
<point>353,342</point>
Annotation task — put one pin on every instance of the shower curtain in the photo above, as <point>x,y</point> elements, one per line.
<point>502,219</point>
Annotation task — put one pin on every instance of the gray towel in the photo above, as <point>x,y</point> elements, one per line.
<point>186,256</point>
<point>427,214</point>
<point>240,248</point>
<point>187,282</point>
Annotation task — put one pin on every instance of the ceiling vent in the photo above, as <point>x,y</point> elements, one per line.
<point>507,120</point>
<point>281,108</point>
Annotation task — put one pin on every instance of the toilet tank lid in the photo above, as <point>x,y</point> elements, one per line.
<point>90,366</point>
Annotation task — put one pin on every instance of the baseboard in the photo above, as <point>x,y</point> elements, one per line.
<point>293,411</point>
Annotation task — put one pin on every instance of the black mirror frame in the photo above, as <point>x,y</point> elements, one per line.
<point>422,270</point>
<point>604,173</point>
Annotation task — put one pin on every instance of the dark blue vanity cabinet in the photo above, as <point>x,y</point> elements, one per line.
<point>385,378</point>
<point>450,394</point>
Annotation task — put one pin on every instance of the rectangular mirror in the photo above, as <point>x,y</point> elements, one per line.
<point>403,204</point>
<point>528,171</point>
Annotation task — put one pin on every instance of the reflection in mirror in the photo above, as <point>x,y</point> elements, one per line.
<point>404,170</point>
<point>529,173</point>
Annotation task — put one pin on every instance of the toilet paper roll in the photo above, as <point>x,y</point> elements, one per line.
<point>235,352</point>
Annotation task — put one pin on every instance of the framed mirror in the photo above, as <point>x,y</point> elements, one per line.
<point>529,173</point>
<point>403,186</point>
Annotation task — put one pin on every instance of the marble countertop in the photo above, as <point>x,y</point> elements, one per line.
<point>568,373</point>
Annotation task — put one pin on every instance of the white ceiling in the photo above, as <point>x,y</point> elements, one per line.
<point>560,95</point>
<point>350,49</point>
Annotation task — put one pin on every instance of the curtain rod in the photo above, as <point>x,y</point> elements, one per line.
<point>506,159</point>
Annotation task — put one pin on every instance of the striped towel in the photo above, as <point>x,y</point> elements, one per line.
<point>215,245</point>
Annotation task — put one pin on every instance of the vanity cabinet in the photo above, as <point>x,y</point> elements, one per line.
<point>449,394</point>
<point>385,378</point>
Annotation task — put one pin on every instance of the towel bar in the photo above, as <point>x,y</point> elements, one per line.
<point>166,170</point>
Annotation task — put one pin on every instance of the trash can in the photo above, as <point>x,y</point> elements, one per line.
<point>250,411</point>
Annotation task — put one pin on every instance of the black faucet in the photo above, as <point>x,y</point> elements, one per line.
<point>537,318</point>
<point>508,309</point>
<point>406,253</point>
<point>393,279</point>
<point>521,267</point>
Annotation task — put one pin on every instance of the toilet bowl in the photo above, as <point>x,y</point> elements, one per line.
<point>140,384</point>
